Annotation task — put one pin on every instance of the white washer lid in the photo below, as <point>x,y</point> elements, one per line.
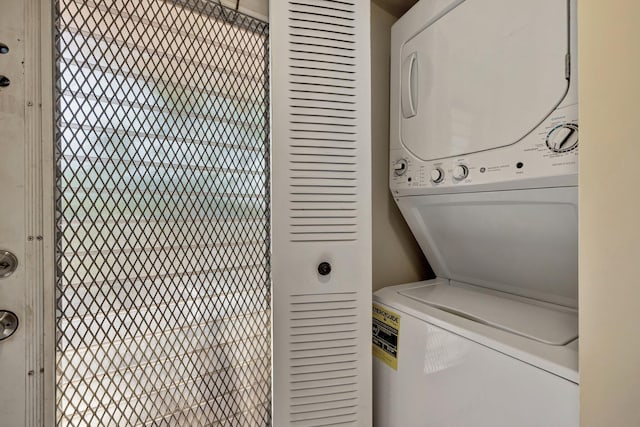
<point>522,242</point>
<point>541,322</point>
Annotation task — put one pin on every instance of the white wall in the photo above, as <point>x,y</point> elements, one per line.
<point>397,258</point>
<point>609,70</point>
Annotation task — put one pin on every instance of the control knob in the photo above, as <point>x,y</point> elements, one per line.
<point>437,175</point>
<point>400,167</point>
<point>563,138</point>
<point>460,172</point>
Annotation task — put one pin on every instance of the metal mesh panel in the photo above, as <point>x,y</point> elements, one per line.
<point>163,297</point>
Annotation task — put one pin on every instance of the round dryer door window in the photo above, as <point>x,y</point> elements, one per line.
<point>482,76</point>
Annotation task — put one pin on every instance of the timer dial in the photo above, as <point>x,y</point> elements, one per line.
<point>563,138</point>
<point>400,167</point>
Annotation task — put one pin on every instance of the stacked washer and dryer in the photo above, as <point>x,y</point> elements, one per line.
<point>484,168</point>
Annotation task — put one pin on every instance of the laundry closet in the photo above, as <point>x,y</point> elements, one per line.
<point>607,373</point>
<point>484,168</point>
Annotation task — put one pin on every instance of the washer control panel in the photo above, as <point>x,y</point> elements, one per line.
<point>550,150</point>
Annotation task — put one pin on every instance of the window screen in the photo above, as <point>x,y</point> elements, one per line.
<point>162,214</point>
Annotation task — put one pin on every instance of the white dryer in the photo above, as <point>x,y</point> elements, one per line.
<point>484,168</point>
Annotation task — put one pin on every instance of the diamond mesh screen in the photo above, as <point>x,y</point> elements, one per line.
<point>163,287</point>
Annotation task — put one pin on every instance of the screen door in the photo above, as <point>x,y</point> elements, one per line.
<point>162,214</point>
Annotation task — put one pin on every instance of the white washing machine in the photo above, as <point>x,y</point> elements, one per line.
<point>484,168</point>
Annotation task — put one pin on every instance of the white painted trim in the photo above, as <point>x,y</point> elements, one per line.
<point>47,176</point>
<point>37,83</point>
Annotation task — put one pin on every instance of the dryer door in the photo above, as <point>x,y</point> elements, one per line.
<point>483,76</point>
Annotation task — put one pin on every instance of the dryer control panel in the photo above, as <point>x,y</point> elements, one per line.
<point>548,152</point>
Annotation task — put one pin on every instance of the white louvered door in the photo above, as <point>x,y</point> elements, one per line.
<point>321,194</point>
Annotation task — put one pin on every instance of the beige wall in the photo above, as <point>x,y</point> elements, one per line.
<point>395,7</point>
<point>396,256</point>
<point>609,70</point>
<point>257,8</point>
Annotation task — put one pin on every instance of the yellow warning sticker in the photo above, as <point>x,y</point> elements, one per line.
<point>386,332</point>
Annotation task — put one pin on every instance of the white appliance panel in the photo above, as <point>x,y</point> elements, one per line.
<point>482,76</point>
<point>523,242</point>
<point>446,380</point>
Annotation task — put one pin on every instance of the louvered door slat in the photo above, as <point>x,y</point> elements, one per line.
<point>321,212</point>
